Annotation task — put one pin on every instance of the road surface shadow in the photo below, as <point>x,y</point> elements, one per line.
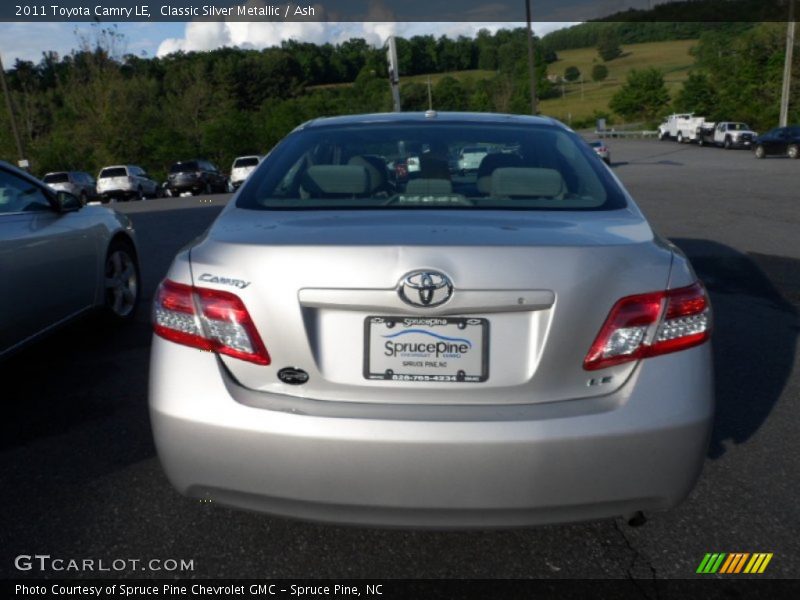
<point>88,373</point>
<point>755,300</point>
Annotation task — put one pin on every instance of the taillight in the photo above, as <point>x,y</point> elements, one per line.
<point>207,319</point>
<point>651,324</point>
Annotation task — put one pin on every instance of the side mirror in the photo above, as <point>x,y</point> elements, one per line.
<point>66,202</point>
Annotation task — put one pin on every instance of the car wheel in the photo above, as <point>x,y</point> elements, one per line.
<point>680,137</point>
<point>793,151</point>
<point>84,198</point>
<point>139,193</point>
<point>122,283</point>
<point>207,191</point>
<point>759,152</point>
<point>662,136</point>
<point>700,141</point>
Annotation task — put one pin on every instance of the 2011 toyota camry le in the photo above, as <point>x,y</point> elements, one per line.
<point>357,344</point>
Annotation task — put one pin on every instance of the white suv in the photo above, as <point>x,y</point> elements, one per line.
<point>242,167</point>
<point>125,182</point>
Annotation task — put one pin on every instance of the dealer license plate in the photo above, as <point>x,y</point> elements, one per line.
<point>426,349</point>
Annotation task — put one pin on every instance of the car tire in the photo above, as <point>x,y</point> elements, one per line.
<point>680,137</point>
<point>139,193</point>
<point>83,198</point>
<point>121,282</point>
<point>700,141</point>
<point>662,136</point>
<point>793,151</point>
<point>760,152</point>
<point>727,144</point>
<point>207,190</point>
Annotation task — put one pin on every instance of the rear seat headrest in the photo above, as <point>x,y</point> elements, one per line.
<point>336,180</point>
<point>488,165</point>
<point>429,187</point>
<point>527,182</point>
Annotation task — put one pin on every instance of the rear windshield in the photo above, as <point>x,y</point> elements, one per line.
<point>364,166</point>
<point>250,161</point>
<point>56,178</point>
<point>113,172</point>
<point>184,167</point>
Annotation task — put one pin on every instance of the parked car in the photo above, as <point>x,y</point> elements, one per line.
<point>342,347</point>
<point>726,134</point>
<point>77,183</point>
<point>242,167</point>
<point>601,149</point>
<point>196,176</point>
<point>470,157</point>
<point>126,182</point>
<point>781,141</point>
<point>59,260</point>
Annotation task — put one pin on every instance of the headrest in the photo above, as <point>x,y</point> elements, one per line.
<point>326,180</point>
<point>376,169</point>
<point>491,162</point>
<point>527,182</point>
<point>429,187</point>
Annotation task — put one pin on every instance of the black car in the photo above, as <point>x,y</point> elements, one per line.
<point>196,176</point>
<point>781,141</point>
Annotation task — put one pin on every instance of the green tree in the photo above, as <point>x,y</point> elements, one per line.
<point>697,95</point>
<point>608,45</point>
<point>599,72</point>
<point>449,94</point>
<point>572,73</point>
<point>643,96</point>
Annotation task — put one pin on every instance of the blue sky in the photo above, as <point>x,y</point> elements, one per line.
<point>27,41</point>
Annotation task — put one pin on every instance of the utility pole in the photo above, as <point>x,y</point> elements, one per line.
<point>531,66</point>
<point>430,96</point>
<point>394,72</point>
<point>11,112</point>
<point>787,67</point>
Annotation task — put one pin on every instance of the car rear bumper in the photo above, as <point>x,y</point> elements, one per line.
<point>640,448</point>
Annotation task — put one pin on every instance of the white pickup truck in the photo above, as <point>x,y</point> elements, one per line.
<point>728,134</point>
<point>683,127</point>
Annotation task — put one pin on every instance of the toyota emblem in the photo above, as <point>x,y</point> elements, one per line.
<point>425,288</point>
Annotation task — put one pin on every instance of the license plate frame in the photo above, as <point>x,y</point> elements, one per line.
<point>434,330</point>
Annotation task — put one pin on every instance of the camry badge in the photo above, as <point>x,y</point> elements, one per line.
<point>425,289</point>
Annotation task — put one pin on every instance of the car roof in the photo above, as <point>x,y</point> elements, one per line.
<point>431,117</point>
<point>17,171</point>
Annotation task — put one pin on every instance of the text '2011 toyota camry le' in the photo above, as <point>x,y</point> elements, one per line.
<point>357,343</point>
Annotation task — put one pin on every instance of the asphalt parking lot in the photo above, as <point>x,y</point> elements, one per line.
<point>81,479</point>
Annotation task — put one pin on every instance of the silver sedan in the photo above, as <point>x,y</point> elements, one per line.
<point>59,260</point>
<point>506,347</point>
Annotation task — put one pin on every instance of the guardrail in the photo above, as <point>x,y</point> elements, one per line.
<point>611,133</point>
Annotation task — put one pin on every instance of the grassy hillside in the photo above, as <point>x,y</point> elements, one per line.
<point>672,58</point>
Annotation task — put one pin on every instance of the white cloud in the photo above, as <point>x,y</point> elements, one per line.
<point>201,36</point>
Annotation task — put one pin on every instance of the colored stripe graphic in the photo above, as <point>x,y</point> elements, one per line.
<point>734,562</point>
